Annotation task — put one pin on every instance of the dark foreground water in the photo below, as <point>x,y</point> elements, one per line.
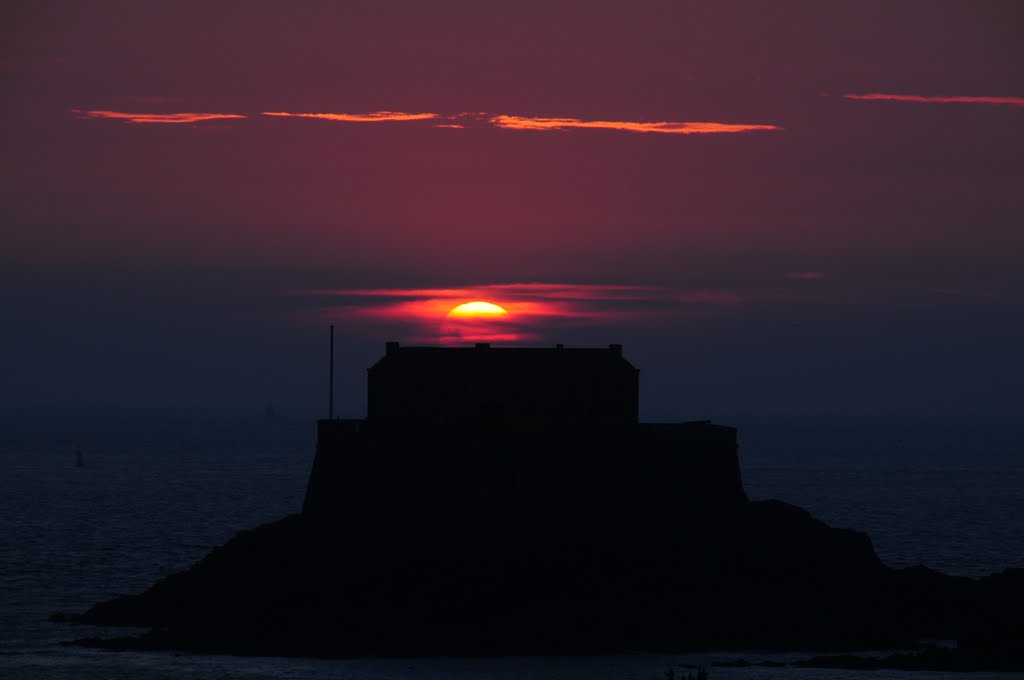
<point>158,491</point>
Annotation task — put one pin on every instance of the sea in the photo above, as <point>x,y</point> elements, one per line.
<point>157,490</point>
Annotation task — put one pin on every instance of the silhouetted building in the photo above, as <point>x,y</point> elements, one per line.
<point>502,388</point>
<point>447,423</point>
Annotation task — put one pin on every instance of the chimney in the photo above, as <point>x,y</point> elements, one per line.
<point>616,349</point>
<point>390,348</point>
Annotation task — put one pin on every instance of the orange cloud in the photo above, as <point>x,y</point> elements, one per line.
<point>161,118</point>
<point>917,98</point>
<point>456,121</point>
<point>674,128</point>
<point>431,304</point>
<point>374,117</point>
<point>528,294</point>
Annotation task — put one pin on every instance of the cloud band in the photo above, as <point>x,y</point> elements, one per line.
<point>923,99</point>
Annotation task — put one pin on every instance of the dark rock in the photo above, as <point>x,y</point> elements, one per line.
<point>768,576</point>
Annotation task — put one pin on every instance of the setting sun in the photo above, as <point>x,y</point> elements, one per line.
<point>478,321</point>
<point>478,309</point>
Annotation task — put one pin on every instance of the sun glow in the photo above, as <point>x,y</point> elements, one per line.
<point>528,312</point>
<point>478,309</point>
<point>478,321</point>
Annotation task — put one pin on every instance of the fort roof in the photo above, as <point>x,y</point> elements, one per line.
<point>532,358</point>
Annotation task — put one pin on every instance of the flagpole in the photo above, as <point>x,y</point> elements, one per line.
<point>330,381</point>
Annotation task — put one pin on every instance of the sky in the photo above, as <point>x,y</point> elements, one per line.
<point>784,209</point>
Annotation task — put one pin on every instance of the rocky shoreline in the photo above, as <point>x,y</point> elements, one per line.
<point>764,575</point>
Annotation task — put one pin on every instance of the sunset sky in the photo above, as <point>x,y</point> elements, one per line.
<point>778,208</point>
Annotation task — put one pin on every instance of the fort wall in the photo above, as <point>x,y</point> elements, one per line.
<point>640,465</point>
<point>554,427</point>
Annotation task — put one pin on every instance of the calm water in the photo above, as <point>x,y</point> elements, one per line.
<point>157,492</point>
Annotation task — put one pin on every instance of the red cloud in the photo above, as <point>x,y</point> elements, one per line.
<point>374,117</point>
<point>162,118</point>
<point>674,128</point>
<point>917,98</point>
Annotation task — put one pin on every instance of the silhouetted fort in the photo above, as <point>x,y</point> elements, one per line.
<point>532,420</point>
<point>500,501</point>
